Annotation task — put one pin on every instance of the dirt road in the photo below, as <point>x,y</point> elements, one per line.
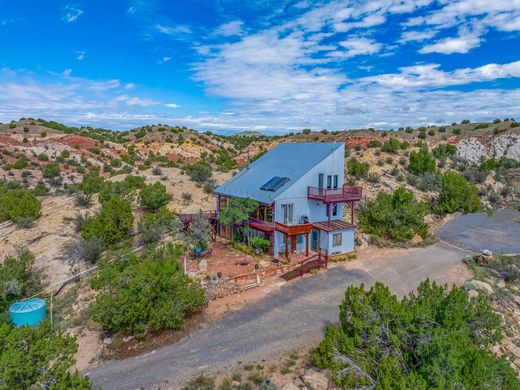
<point>292,317</point>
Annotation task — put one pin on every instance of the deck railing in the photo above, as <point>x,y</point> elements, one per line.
<point>331,195</point>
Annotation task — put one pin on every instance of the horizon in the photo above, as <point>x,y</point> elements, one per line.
<point>228,66</point>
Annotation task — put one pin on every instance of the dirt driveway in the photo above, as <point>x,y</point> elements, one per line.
<point>291,317</point>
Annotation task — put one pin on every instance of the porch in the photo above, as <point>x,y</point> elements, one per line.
<point>335,195</point>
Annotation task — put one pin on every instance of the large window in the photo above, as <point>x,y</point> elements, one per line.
<point>288,213</point>
<point>336,239</point>
<point>329,182</point>
<point>335,181</point>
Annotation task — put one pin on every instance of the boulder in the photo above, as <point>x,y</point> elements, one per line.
<point>471,150</point>
<point>479,286</point>
<point>487,252</point>
<point>472,293</point>
<point>107,341</point>
<point>416,240</point>
<point>203,265</point>
<point>315,379</point>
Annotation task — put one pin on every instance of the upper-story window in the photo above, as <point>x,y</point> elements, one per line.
<point>329,182</point>
<point>336,180</point>
<point>320,180</point>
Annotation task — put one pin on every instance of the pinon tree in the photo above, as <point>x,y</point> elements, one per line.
<point>433,339</point>
<point>237,213</point>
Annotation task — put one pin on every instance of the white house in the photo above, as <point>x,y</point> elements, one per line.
<point>299,187</point>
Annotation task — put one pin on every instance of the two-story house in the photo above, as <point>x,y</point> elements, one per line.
<point>301,196</point>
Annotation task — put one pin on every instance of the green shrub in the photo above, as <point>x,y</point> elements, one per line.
<point>398,216</point>
<point>91,183</point>
<point>17,204</point>
<point>153,226</point>
<point>112,224</point>
<point>374,144</point>
<point>421,162</point>
<point>152,288</point>
<point>445,150</point>
<point>92,248</point>
<point>260,243</point>
<point>433,339</point>
<point>17,279</point>
<point>457,194</point>
<point>199,172</point>
<point>356,168</point>
<point>391,146</point>
<point>456,131</point>
<point>51,170</point>
<point>154,196</point>
<point>38,357</point>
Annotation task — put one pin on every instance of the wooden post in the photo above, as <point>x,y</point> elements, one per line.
<point>306,244</point>
<point>330,211</point>
<point>352,213</point>
<point>286,245</point>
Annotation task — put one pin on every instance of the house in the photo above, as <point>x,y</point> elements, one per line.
<point>301,196</point>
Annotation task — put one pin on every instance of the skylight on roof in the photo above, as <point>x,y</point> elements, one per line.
<point>274,183</point>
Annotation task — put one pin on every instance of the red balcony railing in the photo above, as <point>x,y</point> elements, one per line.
<point>335,195</point>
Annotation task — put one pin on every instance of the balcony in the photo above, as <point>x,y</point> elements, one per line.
<point>294,228</point>
<point>257,224</point>
<point>337,195</point>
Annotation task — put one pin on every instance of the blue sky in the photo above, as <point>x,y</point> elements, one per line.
<point>267,65</point>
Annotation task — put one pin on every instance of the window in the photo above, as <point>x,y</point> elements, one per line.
<point>320,180</point>
<point>336,239</point>
<point>334,210</point>
<point>335,181</point>
<point>299,239</point>
<point>287,212</point>
<point>329,182</point>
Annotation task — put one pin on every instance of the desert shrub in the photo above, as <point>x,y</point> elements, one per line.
<point>79,221</point>
<point>38,357</point>
<point>431,132</point>
<point>17,204</point>
<point>456,131</point>
<point>421,162</point>
<point>492,164</point>
<point>40,189</point>
<point>374,144</point>
<point>475,175</point>
<point>91,183</point>
<point>373,178</point>
<point>457,194</point>
<point>201,382</point>
<point>51,170</point>
<point>83,200</point>
<point>199,172</point>
<point>156,171</point>
<point>422,135</point>
<point>17,279</point>
<point>432,339</point>
<point>428,182</point>
<point>112,224</point>
<point>391,146</point>
<point>261,244</point>
<point>154,196</point>
<point>153,226</point>
<point>125,278</point>
<point>92,248</point>
<point>356,168</point>
<point>186,196</point>
<point>481,126</point>
<point>398,216</point>
<point>446,150</point>
<point>199,232</point>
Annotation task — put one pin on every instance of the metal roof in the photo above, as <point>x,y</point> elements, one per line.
<point>291,160</point>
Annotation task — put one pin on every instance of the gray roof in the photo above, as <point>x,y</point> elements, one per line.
<point>291,160</point>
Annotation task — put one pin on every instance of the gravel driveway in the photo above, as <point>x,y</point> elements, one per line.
<point>498,232</point>
<point>292,317</point>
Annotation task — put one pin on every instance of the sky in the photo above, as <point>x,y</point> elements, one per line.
<point>273,66</point>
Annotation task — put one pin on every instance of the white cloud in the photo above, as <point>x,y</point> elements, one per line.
<point>172,105</point>
<point>416,35</point>
<point>172,30</point>
<point>67,72</point>
<point>71,12</point>
<point>129,86</point>
<point>461,44</point>
<point>230,29</point>
<point>360,46</point>
<point>80,55</point>
<point>164,60</point>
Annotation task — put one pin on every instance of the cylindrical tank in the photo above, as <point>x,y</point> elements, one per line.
<point>28,313</point>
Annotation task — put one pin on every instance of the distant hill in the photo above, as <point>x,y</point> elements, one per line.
<point>248,134</point>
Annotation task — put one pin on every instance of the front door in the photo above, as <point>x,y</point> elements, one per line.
<point>314,240</point>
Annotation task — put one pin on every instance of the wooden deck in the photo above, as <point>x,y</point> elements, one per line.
<point>337,195</point>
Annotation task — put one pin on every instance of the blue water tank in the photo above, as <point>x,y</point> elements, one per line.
<point>30,312</point>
